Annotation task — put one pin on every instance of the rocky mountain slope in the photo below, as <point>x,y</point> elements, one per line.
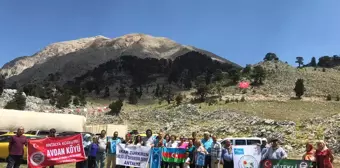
<point>74,58</point>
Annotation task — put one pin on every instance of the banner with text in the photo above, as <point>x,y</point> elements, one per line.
<point>247,156</point>
<point>286,163</point>
<point>55,151</point>
<point>132,155</point>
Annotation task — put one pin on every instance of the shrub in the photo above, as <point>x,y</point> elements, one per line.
<point>76,101</point>
<point>179,99</point>
<point>18,103</point>
<point>242,99</point>
<point>299,88</point>
<point>115,107</point>
<point>328,97</point>
<point>337,98</point>
<point>323,69</point>
<point>227,101</point>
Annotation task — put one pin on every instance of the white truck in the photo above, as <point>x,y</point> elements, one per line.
<point>34,121</point>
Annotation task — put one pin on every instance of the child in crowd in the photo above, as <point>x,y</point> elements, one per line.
<point>93,153</point>
<point>187,160</point>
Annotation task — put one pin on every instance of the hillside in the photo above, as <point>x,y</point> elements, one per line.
<point>281,79</point>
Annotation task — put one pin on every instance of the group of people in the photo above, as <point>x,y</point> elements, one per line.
<point>100,151</point>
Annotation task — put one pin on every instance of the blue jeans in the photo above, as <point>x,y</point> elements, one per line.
<point>100,160</point>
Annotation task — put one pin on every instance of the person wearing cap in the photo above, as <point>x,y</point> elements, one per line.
<point>275,152</point>
<point>207,144</point>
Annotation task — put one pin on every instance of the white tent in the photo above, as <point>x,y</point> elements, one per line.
<point>12,119</point>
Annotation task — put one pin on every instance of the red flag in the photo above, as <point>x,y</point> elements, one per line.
<point>243,85</point>
<point>55,151</point>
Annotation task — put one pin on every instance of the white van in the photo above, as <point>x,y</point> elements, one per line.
<point>244,141</point>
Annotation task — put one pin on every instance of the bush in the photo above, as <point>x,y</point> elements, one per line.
<point>337,98</point>
<point>329,97</point>
<point>115,107</point>
<point>76,101</point>
<point>179,99</point>
<point>227,101</point>
<point>18,103</point>
<point>299,88</point>
<point>242,99</point>
<point>64,100</point>
<point>323,69</point>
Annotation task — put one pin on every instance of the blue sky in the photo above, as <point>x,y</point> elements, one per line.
<point>242,31</point>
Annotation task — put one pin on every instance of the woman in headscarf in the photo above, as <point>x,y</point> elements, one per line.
<point>86,145</point>
<point>324,156</point>
<point>310,154</point>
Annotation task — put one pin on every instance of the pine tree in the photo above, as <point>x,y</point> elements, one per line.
<point>168,94</point>
<point>179,99</point>
<point>76,101</point>
<point>115,107</point>
<point>299,60</point>
<point>299,88</point>
<point>133,99</point>
<point>157,91</point>
<point>259,75</point>
<point>313,62</point>
<point>82,98</point>
<point>64,100</point>
<point>122,94</point>
<point>202,88</point>
<point>107,92</point>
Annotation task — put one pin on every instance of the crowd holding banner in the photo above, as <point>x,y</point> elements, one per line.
<point>157,151</point>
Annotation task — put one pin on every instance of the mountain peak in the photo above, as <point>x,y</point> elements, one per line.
<point>86,53</point>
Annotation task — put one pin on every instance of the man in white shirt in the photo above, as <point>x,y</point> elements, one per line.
<point>149,139</point>
<point>101,155</point>
<point>216,151</point>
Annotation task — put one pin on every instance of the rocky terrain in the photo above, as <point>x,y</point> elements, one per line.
<point>186,118</point>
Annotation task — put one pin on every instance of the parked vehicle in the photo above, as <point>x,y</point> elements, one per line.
<point>42,133</point>
<point>70,133</point>
<point>4,142</point>
<point>243,141</point>
<point>33,121</point>
<point>4,132</point>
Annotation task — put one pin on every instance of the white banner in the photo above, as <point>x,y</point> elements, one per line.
<point>132,155</point>
<point>247,156</point>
